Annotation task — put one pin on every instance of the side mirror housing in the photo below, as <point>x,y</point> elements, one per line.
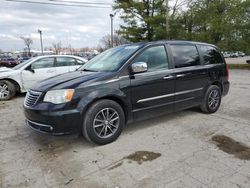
<point>139,67</point>
<point>30,69</point>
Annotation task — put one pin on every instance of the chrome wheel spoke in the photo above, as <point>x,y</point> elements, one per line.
<point>5,86</point>
<point>107,113</point>
<point>103,115</point>
<point>112,125</point>
<point>6,92</point>
<point>114,119</point>
<point>110,129</point>
<point>99,125</point>
<point>98,120</point>
<point>105,131</point>
<point>112,115</point>
<point>101,131</point>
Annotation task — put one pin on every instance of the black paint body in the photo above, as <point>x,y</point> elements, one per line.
<point>183,88</point>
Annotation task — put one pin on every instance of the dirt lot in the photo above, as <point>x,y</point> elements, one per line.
<point>185,149</point>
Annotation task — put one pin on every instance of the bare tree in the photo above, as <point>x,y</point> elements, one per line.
<point>57,47</point>
<point>27,41</point>
<point>106,41</point>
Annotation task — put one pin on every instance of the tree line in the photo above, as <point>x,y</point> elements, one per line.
<point>225,23</point>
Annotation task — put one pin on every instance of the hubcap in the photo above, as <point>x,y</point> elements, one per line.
<point>106,122</point>
<point>214,99</point>
<point>4,91</point>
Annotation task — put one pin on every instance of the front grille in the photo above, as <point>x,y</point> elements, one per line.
<point>31,98</point>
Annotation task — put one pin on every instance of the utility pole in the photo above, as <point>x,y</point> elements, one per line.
<point>167,19</point>
<point>41,40</point>
<point>112,30</point>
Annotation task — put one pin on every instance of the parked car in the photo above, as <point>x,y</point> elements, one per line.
<point>22,59</point>
<point>25,75</point>
<point>8,62</point>
<point>234,54</point>
<point>226,54</point>
<point>241,54</point>
<point>128,83</point>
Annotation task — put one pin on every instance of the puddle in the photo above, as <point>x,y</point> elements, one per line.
<point>139,157</point>
<point>142,156</point>
<point>232,147</point>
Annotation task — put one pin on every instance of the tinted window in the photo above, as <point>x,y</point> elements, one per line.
<point>211,55</point>
<point>155,57</point>
<point>43,63</point>
<point>185,55</point>
<point>65,61</point>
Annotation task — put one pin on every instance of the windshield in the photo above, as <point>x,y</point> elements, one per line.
<point>23,64</point>
<point>110,60</point>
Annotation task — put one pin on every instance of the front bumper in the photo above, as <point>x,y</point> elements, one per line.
<point>54,122</point>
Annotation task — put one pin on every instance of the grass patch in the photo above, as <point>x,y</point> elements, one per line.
<point>239,66</point>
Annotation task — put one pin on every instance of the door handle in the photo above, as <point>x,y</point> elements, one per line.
<point>180,75</point>
<point>168,77</point>
<point>50,71</point>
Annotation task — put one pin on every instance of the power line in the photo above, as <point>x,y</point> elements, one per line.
<point>60,4</point>
<point>81,2</point>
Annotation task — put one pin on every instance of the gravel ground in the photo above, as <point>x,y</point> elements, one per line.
<point>185,149</point>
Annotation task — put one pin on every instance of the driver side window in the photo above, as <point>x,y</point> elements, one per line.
<point>155,57</point>
<point>43,63</point>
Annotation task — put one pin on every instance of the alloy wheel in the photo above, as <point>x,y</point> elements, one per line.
<point>106,122</point>
<point>214,99</point>
<point>4,91</point>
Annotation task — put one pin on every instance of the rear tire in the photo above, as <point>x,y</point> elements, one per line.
<point>7,90</point>
<point>212,100</point>
<point>103,122</point>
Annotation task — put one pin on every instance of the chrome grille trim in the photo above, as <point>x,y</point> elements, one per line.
<point>31,98</point>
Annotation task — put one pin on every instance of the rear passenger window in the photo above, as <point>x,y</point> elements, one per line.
<point>185,55</point>
<point>155,57</point>
<point>211,55</point>
<point>65,61</point>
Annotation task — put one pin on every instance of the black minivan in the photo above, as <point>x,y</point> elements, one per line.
<point>128,83</point>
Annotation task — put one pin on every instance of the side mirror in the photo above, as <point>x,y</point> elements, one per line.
<point>30,69</point>
<point>139,67</point>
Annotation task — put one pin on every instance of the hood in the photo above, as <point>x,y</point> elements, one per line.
<point>68,80</point>
<point>4,69</point>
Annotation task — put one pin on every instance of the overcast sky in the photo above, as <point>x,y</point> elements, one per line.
<point>77,26</point>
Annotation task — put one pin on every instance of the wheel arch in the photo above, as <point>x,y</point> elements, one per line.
<point>114,98</point>
<point>217,83</point>
<point>17,85</point>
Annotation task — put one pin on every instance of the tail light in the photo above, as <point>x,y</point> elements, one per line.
<point>227,72</point>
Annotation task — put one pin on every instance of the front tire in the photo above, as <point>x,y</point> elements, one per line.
<point>103,122</point>
<point>212,100</point>
<point>7,90</point>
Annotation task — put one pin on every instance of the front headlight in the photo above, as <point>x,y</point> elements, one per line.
<point>59,96</point>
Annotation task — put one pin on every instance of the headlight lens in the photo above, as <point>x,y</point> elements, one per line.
<point>59,96</point>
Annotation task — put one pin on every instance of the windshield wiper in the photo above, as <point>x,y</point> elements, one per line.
<point>88,70</point>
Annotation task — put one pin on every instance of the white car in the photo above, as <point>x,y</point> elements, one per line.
<point>23,76</point>
<point>226,54</point>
